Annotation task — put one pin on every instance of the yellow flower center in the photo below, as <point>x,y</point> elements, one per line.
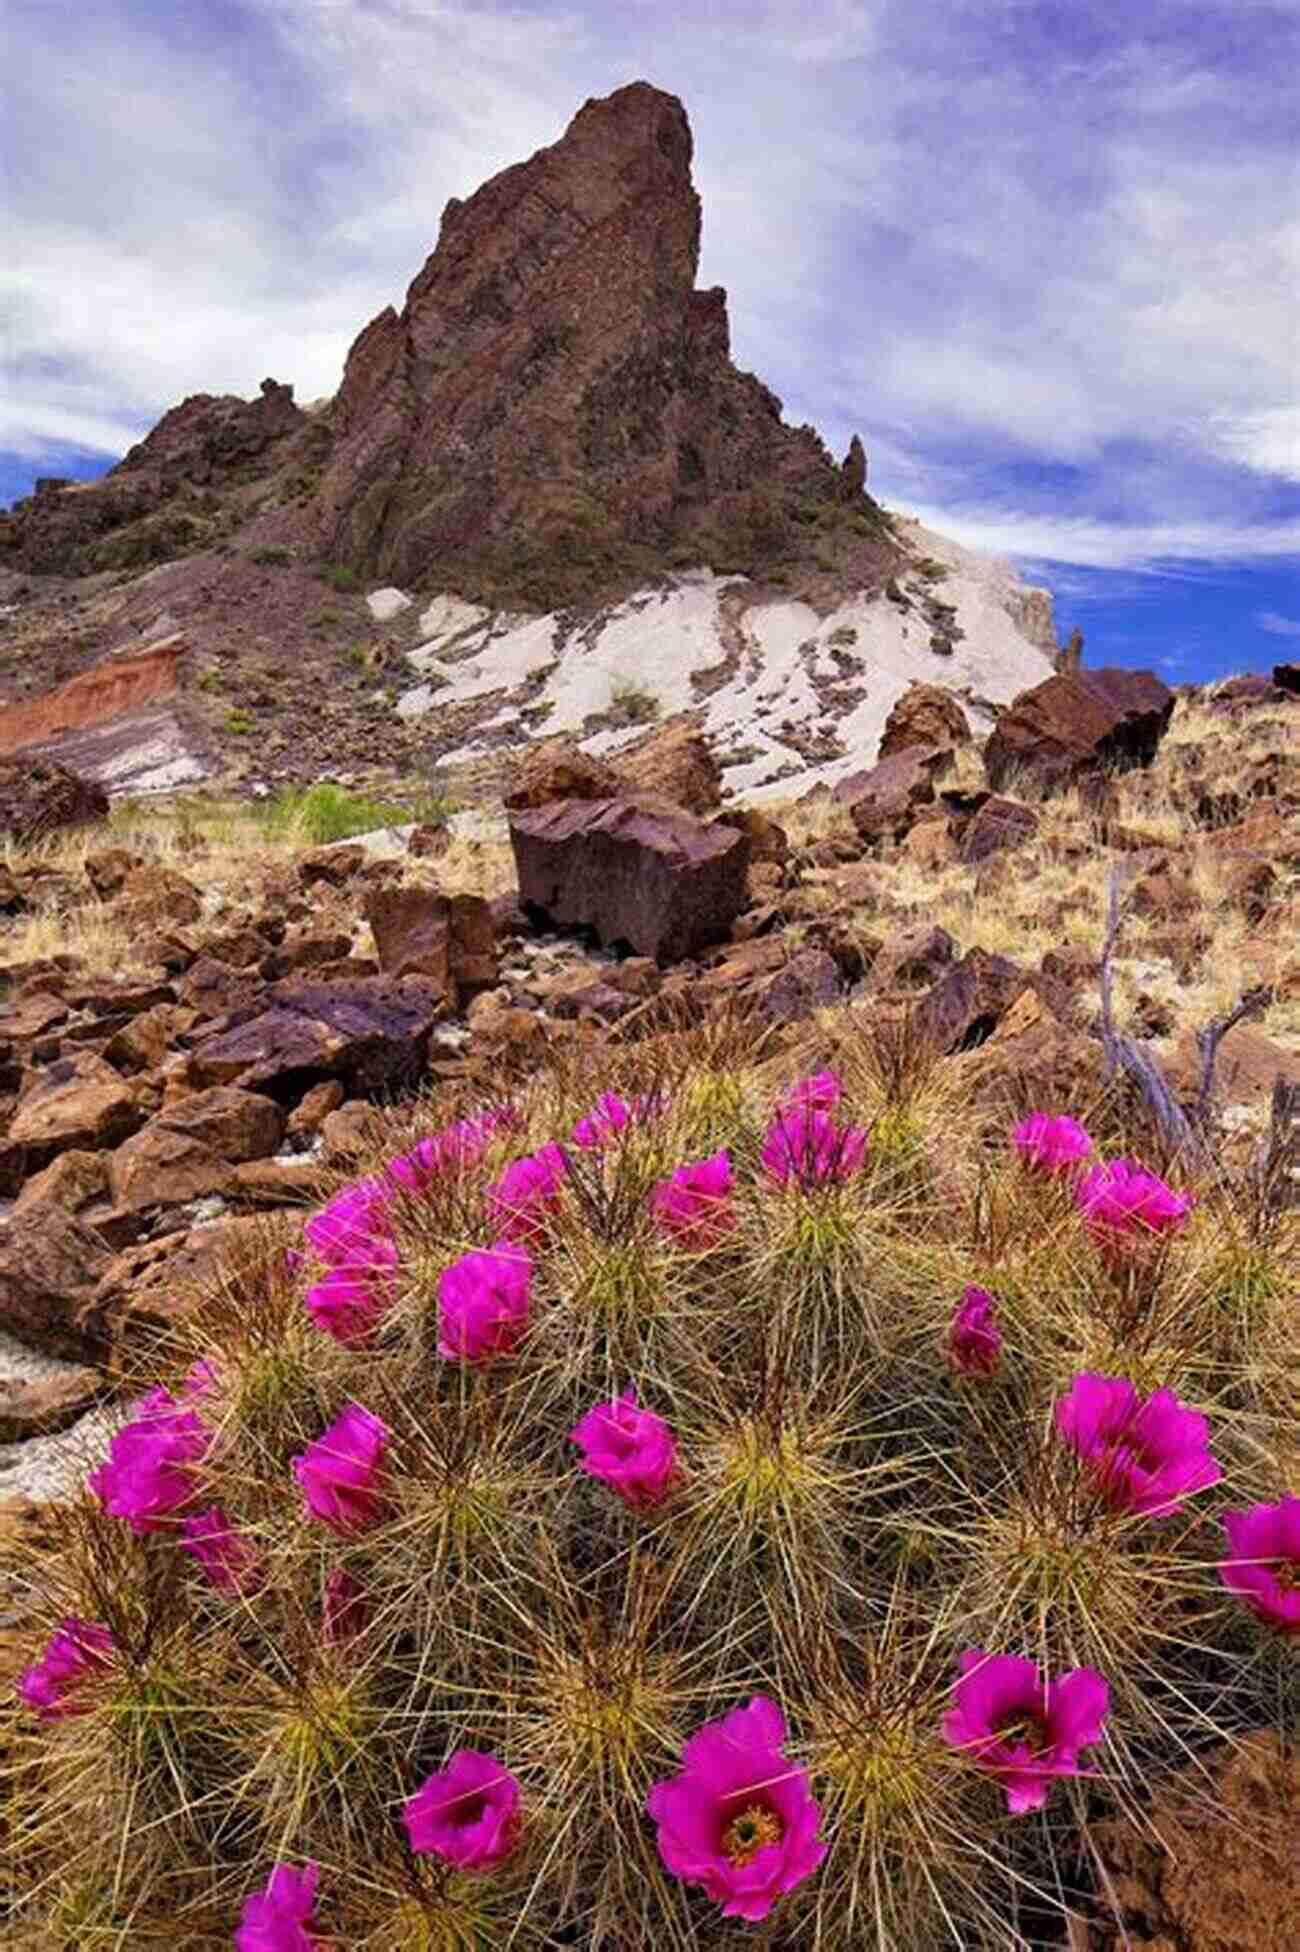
<point>749,1832</point>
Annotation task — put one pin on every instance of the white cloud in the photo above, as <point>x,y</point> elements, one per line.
<point>1276,625</point>
<point>1084,540</point>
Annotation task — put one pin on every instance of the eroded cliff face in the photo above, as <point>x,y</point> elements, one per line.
<point>556,401</point>
<point>125,682</point>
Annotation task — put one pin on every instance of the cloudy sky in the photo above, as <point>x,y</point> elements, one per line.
<point>1043,254</point>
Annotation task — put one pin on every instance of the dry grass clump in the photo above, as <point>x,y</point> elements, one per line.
<point>846,1514</point>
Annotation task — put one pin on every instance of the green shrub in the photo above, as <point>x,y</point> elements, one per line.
<point>239,722</point>
<point>326,812</point>
<point>339,577</point>
<point>637,705</point>
<point>271,558</point>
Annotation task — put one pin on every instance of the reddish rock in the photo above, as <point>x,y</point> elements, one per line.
<point>107,868</point>
<point>373,1035</point>
<point>886,801</point>
<point>144,1291</point>
<point>41,1407</point>
<point>276,1182</point>
<point>50,1263</point>
<point>142,1044</point>
<point>1078,723</point>
<point>931,846</point>
<point>189,1149</point>
<point>306,947</point>
<point>965,1006</point>
<point>38,797</point>
<point>914,959</point>
<point>306,1119</point>
<point>558,769</point>
<point>639,872</point>
<point>334,865</point>
<point>675,762</point>
<point>72,1181</point>
<point>447,939</point>
<point>996,824</point>
<point>809,981</point>
<point>210,987</point>
<point>925,715</point>
<point>769,844</point>
<point>154,894</point>
<point>76,1101</point>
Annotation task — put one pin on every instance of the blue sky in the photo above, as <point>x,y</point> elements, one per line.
<point>1045,257</point>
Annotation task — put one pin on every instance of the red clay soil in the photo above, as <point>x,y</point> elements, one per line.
<point>117,684</point>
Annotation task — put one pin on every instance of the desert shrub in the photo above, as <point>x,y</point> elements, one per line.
<point>850,1327</point>
<point>326,812</point>
<point>340,576</point>
<point>239,723</point>
<point>271,558</point>
<point>635,703</point>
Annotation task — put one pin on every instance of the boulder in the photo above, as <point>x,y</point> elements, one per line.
<point>1078,723</point>
<point>144,1291</point>
<point>558,769</point>
<point>46,1404</point>
<point>50,1264</point>
<point>188,1150</point>
<point>884,802</point>
<point>676,762</point>
<point>913,959</point>
<point>75,1101</point>
<point>639,872</point>
<point>809,981</point>
<point>447,939</point>
<point>966,1005</point>
<point>333,864</point>
<point>995,824</point>
<point>372,1034</point>
<point>38,796</point>
<point>925,715</point>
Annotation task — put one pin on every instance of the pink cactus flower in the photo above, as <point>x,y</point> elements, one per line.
<point>974,1338</point>
<point>819,1093</point>
<point>201,1379</point>
<point>75,1651</point>
<point>1123,1205</point>
<point>149,1473</point>
<point>273,1920</point>
<point>345,1614</point>
<point>230,1562</point>
<point>1264,1570</point>
<point>456,1146</point>
<point>354,1230</point>
<point>630,1449</point>
<point>1025,1731</point>
<point>294,1261</point>
<point>739,1819</point>
<point>694,1203</point>
<point>341,1473</point>
<point>1143,1456</point>
<point>607,1121</point>
<point>528,1192</point>
<point>808,1147</point>
<point>1051,1145</point>
<point>466,1813</point>
<point>483,1302</point>
<point>348,1306</point>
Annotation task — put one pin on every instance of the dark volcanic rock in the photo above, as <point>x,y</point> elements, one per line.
<point>925,715</point>
<point>372,1034</point>
<point>448,939</point>
<point>884,802</point>
<point>49,1268</point>
<point>1078,723</point>
<point>967,1003</point>
<point>638,871</point>
<point>38,796</point>
<point>555,398</point>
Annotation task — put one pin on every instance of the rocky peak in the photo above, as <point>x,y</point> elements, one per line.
<point>554,407</point>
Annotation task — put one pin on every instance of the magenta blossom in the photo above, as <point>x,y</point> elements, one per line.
<point>273,1920</point>
<point>466,1813</point>
<point>230,1562</point>
<point>1143,1456</point>
<point>528,1193</point>
<point>341,1473</point>
<point>694,1203</point>
<point>75,1651</point>
<point>456,1146</point>
<point>1051,1145</point>
<point>631,1450</point>
<point>345,1614</point>
<point>483,1301</point>
<point>808,1147</point>
<point>1022,1729</point>
<point>1123,1204</point>
<point>609,1119</point>
<point>354,1231</point>
<point>974,1338</point>
<point>149,1473</point>
<point>348,1306</point>
<point>1264,1570</point>
<point>819,1093</point>
<point>739,1819</point>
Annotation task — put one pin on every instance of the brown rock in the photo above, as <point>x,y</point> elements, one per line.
<point>931,846</point>
<point>76,1101</point>
<point>241,948</point>
<point>1248,1065</point>
<point>639,872</point>
<point>965,1006</point>
<point>809,981</point>
<point>886,801</point>
<point>71,1181</point>
<point>675,762</point>
<point>209,987</point>
<point>38,797</point>
<point>36,1013</point>
<point>306,1119</point>
<point>276,1182</point>
<point>146,1289</point>
<point>996,824</point>
<point>188,1150</point>
<point>429,841</point>
<point>1251,886</point>
<point>509,1032</point>
<point>154,895</point>
<point>1078,723</point>
<point>107,869</point>
<point>334,865</point>
<point>348,1132</point>
<point>913,959</point>
<point>39,1408</point>
<point>558,769</point>
<point>768,842</point>
<point>141,1044</point>
<point>925,715</point>
<point>49,1266</point>
<point>373,1035</point>
<point>447,939</point>
<point>306,947</point>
